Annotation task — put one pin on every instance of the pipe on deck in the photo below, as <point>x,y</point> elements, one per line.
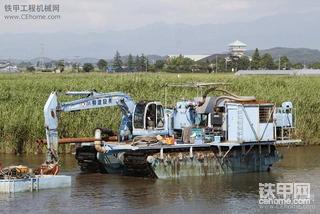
<point>78,140</point>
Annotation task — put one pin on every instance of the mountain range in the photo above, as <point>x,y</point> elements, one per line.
<point>295,55</point>
<point>293,30</point>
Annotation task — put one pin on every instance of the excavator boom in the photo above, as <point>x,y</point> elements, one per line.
<point>92,100</point>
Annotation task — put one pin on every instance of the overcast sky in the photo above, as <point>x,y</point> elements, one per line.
<point>103,15</point>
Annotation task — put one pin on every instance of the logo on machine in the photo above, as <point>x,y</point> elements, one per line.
<point>285,195</point>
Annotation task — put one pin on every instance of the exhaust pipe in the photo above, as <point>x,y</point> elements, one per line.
<point>98,141</point>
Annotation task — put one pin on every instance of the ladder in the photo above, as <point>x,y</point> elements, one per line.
<point>240,124</point>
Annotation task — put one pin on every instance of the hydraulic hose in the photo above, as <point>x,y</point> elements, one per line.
<point>234,98</point>
<point>231,95</point>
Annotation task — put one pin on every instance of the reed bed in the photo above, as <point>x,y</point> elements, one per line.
<point>22,97</point>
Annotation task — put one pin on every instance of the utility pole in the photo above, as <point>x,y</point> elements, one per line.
<point>77,63</point>
<point>41,61</point>
<point>216,63</point>
<point>226,60</point>
<point>279,62</point>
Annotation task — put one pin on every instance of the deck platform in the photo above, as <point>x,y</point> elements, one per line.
<point>36,183</point>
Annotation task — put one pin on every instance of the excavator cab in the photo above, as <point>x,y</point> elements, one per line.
<point>148,118</point>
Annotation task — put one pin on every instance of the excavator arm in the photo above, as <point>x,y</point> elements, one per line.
<point>90,100</point>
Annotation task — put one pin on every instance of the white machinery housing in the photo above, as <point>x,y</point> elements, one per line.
<point>250,122</point>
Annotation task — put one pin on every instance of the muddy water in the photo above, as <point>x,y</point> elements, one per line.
<point>96,193</point>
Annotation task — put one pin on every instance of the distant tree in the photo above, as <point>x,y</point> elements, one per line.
<point>88,67</point>
<point>266,62</point>
<point>60,65</point>
<point>221,64</point>
<point>180,64</point>
<point>137,63</point>
<point>285,63</point>
<point>102,64</point>
<point>130,63</point>
<point>30,69</point>
<point>147,64</point>
<point>255,64</point>
<point>143,63</point>
<point>24,64</point>
<point>151,67</point>
<point>297,66</point>
<point>47,65</point>
<point>202,66</point>
<point>243,63</point>
<point>117,62</point>
<point>74,67</point>
<point>207,66</point>
<point>315,65</point>
<point>210,68</point>
<point>159,64</point>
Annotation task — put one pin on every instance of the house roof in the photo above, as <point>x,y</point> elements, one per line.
<point>237,43</point>
<point>214,56</point>
<point>4,65</point>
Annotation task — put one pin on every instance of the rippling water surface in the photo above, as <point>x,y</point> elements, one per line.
<point>97,193</point>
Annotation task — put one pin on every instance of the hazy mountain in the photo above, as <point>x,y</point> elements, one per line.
<point>152,58</point>
<point>295,55</point>
<point>38,59</point>
<point>291,30</point>
<point>34,61</point>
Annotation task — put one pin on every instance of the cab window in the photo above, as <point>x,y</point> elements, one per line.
<point>151,116</point>
<point>160,117</point>
<point>139,116</point>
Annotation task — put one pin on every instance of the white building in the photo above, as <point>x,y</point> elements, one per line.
<point>7,67</point>
<point>237,48</point>
<point>193,57</point>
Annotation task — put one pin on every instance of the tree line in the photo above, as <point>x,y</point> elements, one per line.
<point>118,64</point>
<point>225,63</point>
<point>221,63</point>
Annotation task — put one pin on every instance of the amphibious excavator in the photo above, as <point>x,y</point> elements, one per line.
<point>198,137</point>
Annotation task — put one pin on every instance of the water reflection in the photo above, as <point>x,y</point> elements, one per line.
<point>224,193</point>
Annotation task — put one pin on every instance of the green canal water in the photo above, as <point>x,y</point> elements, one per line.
<point>237,193</point>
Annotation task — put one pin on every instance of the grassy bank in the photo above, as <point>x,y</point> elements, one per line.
<point>22,97</point>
